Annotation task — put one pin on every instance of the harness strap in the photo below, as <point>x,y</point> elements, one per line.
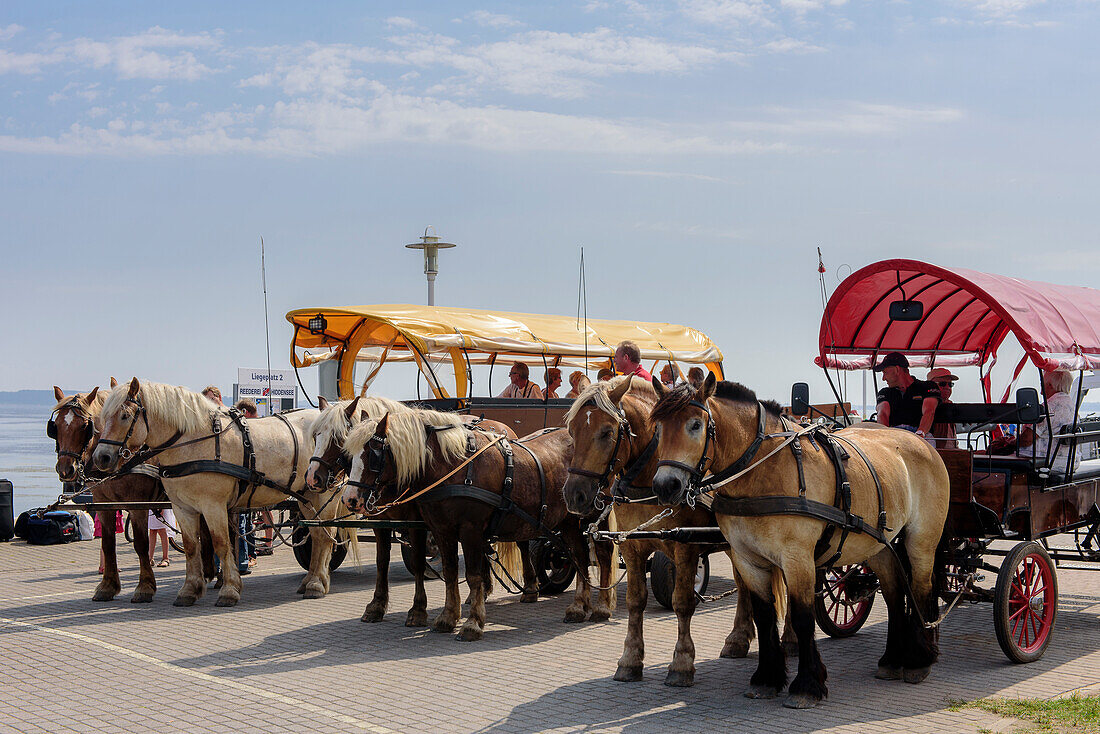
<point>506,504</point>
<point>294,461</point>
<point>750,453</point>
<point>244,475</point>
<point>779,505</point>
<point>542,485</point>
<point>495,437</point>
<point>625,482</point>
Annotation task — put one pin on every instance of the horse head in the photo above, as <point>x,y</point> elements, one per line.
<point>686,430</point>
<point>72,427</point>
<point>601,433</point>
<point>329,462</point>
<point>125,427</point>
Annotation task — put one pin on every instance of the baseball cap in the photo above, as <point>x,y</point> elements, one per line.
<point>893,359</point>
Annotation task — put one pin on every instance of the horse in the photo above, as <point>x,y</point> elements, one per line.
<point>614,437</point>
<point>329,462</point>
<point>502,489</point>
<point>794,498</point>
<point>213,460</point>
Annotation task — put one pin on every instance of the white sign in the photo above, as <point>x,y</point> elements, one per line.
<point>260,383</point>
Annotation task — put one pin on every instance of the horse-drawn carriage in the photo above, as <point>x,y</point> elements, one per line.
<point>950,317</point>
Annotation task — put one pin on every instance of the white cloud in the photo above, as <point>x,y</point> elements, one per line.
<point>28,63</point>
<point>727,12</point>
<point>493,20</point>
<point>849,119</point>
<point>791,46</point>
<point>398,21</point>
<point>134,57</point>
<point>805,6</point>
<point>9,32</point>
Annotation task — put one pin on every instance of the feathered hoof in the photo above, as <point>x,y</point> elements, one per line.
<point>227,601</point>
<point>470,633</point>
<point>185,601</point>
<point>443,625</point>
<point>801,701</point>
<point>628,673</point>
<point>761,692</point>
<point>600,614</point>
<point>917,675</point>
<point>885,672</point>
<point>680,678</point>
<point>529,597</point>
<point>313,593</point>
<point>104,594</point>
<point>415,619</point>
<point>575,615</point>
<point>141,596</point>
<point>738,649</point>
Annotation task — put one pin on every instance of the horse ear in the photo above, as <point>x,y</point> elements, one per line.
<point>617,393</point>
<point>380,429</point>
<point>58,393</point>
<point>352,406</point>
<point>708,387</point>
<point>659,387</point>
<point>91,396</point>
<point>114,383</point>
<point>134,387</point>
<point>322,403</point>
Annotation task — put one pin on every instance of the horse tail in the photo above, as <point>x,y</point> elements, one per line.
<point>510,560</point>
<point>351,536</point>
<point>779,594</point>
<point>612,523</point>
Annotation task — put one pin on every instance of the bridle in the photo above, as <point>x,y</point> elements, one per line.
<point>696,484</point>
<point>340,465</point>
<point>377,450</point>
<point>89,433</point>
<point>123,452</point>
<point>603,479</point>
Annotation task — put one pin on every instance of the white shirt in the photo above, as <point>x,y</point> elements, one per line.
<point>1061,408</point>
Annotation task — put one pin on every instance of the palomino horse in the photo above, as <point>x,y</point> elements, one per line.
<point>497,489</point>
<point>329,463</point>
<point>212,460</point>
<point>801,510</point>
<point>614,438</point>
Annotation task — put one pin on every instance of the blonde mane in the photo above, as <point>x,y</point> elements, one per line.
<point>598,393</point>
<point>177,407</point>
<point>333,421</point>
<point>407,436</point>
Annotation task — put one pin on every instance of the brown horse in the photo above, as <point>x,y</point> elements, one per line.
<point>206,471</point>
<point>483,499</point>
<point>75,423</point>
<point>774,516</point>
<point>613,436</point>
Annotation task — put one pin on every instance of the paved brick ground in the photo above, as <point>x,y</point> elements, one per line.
<point>280,663</point>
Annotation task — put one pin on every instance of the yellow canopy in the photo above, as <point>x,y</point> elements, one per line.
<point>399,332</point>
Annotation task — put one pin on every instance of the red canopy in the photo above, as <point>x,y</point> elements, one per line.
<point>967,315</point>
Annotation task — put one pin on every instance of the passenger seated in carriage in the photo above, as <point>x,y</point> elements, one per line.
<point>628,361</point>
<point>906,402</point>
<point>521,387</point>
<point>552,377</point>
<point>578,382</point>
<point>1034,441</point>
<point>944,433</point>
<point>696,376</point>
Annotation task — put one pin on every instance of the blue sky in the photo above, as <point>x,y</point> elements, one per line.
<point>700,150</point>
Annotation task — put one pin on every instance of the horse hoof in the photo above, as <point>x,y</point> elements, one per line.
<point>573,615</point>
<point>680,678</point>
<point>441,625</point>
<point>529,597</point>
<point>735,650</point>
<point>628,673</point>
<point>301,588</point>
<point>313,594</point>
<point>470,634</point>
<point>916,675</point>
<point>761,692</point>
<point>601,615</point>
<point>141,597</point>
<point>104,595</point>
<point>415,620</point>
<point>801,701</point>
<point>373,613</point>
<point>185,601</point>
<point>227,601</point>
<point>885,672</point>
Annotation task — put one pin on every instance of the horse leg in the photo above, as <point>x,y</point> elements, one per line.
<point>630,664</point>
<point>885,566</point>
<point>206,552</point>
<point>316,583</point>
<point>808,687</point>
<point>147,582</point>
<point>383,542</point>
<point>473,550</point>
<point>578,549</point>
<point>109,584</point>
<point>682,670</point>
<point>771,670</point>
<point>530,579</point>
<point>737,641</point>
<point>448,556</point>
<point>605,597</point>
<point>192,527</point>
<point>418,614</point>
<point>217,519</point>
<point>923,643</point>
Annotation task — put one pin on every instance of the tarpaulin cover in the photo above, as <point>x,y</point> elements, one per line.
<point>967,315</point>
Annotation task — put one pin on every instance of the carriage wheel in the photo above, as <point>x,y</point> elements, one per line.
<point>303,549</point>
<point>431,570</point>
<point>843,599</point>
<point>553,567</point>
<point>662,577</point>
<point>1025,602</point>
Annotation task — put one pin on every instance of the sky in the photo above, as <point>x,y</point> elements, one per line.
<point>700,151</point>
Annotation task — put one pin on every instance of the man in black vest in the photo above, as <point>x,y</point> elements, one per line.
<point>906,402</point>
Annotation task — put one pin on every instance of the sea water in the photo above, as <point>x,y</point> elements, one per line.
<point>27,455</point>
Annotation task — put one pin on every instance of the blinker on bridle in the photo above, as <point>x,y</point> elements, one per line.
<point>124,453</point>
<point>603,479</point>
<point>376,449</point>
<point>89,432</point>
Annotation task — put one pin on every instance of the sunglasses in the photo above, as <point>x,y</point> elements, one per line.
<point>945,383</point>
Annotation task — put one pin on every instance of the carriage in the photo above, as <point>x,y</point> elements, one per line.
<point>448,345</point>
<point>1013,507</point>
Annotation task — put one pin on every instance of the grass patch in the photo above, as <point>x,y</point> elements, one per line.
<point>1073,714</point>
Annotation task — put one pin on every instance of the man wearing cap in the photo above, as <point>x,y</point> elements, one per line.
<point>906,402</point>
<point>944,433</point>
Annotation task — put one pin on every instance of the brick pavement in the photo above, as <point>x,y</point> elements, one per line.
<point>280,663</point>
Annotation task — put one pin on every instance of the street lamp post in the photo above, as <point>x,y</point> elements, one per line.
<point>431,246</point>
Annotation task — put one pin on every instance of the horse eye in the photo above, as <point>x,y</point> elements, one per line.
<point>696,424</point>
<point>605,433</point>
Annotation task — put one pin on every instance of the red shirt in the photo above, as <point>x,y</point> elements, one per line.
<point>641,372</point>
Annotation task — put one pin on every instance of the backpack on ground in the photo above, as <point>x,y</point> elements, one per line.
<point>54,527</point>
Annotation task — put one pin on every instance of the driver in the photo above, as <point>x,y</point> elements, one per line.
<point>906,402</point>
